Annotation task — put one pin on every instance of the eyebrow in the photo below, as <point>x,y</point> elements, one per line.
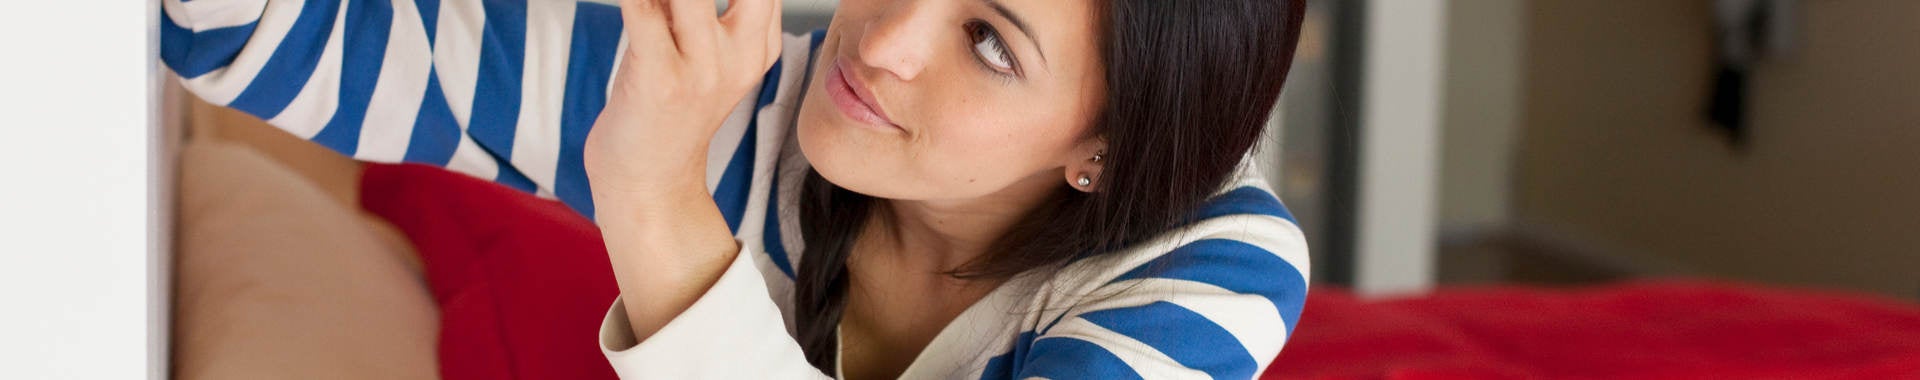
<point>1019,23</point>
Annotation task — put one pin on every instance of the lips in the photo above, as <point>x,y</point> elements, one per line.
<point>855,100</point>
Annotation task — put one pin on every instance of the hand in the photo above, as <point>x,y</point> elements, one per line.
<point>683,72</point>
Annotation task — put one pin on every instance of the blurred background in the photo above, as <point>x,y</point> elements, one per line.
<point>1764,141</point>
<point>1565,142</point>
<point>1594,140</point>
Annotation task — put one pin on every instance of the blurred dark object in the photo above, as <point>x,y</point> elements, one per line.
<point>1747,31</point>
<point>1728,108</point>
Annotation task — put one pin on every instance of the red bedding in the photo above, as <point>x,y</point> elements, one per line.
<point>1645,330</point>
<point>523,282</point>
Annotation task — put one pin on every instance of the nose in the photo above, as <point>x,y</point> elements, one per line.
<point>895,40</point>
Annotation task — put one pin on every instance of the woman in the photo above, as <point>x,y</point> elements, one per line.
<point>929,188</point>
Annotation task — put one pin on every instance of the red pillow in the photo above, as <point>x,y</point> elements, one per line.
<point>522,282</point>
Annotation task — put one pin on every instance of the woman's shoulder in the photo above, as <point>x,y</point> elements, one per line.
<point>1242,241</point>
<point>1228,286</point>
<point>1243,223</point>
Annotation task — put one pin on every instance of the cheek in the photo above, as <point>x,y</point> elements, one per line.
<point>962,152</point>
<point>848,156</point>
<point>970,139</point>
<point>992,145</point>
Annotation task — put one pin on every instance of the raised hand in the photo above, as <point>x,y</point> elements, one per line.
<point>684,70</point>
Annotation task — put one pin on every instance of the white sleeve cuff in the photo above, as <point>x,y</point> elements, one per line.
<point>732,332</point>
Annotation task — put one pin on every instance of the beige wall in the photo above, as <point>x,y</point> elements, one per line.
<point>1827,191</point>
<point>1480,113</point>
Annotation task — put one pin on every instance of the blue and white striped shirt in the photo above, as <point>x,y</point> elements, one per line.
<point>507,89</point>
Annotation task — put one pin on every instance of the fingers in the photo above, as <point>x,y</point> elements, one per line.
<point>751,22</point>
<point>646,25</point>
<point>694,25</point>
<point>747,39</point>
<point>746,18</point>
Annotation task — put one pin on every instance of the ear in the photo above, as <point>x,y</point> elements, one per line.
<point>1086,160</point>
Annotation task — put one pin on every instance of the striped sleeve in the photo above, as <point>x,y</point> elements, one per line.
<point>1218,305</point>
<point>503,90</point>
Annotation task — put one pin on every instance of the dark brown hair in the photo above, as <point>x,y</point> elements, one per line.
<point>1190,84</point>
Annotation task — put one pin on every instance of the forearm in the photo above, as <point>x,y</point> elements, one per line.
<point>667,248</point>
<point>645,157</point>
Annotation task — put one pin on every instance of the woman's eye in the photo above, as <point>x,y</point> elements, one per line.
<point>991,50</point>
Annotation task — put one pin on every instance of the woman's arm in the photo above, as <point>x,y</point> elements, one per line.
<point>1218,304</point>
<point>646,156</point>
<point>694,305</point>
<point>501,90</point>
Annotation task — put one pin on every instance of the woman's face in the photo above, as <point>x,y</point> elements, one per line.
<point>954,99</point>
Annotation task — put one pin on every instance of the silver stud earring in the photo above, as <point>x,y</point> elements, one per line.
<point>1084,181</point>
<point>1098,157</point>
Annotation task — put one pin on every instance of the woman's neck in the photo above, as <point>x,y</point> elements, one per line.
<point>945,235</point>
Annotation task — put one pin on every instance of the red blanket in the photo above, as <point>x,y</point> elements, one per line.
<point>523,282</point>
<point>1646,330</point>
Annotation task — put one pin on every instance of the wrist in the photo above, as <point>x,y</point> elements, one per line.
<point>639,179</point>
<point>624,162</point>
<point>677,242</point>
<point>659,202</point>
